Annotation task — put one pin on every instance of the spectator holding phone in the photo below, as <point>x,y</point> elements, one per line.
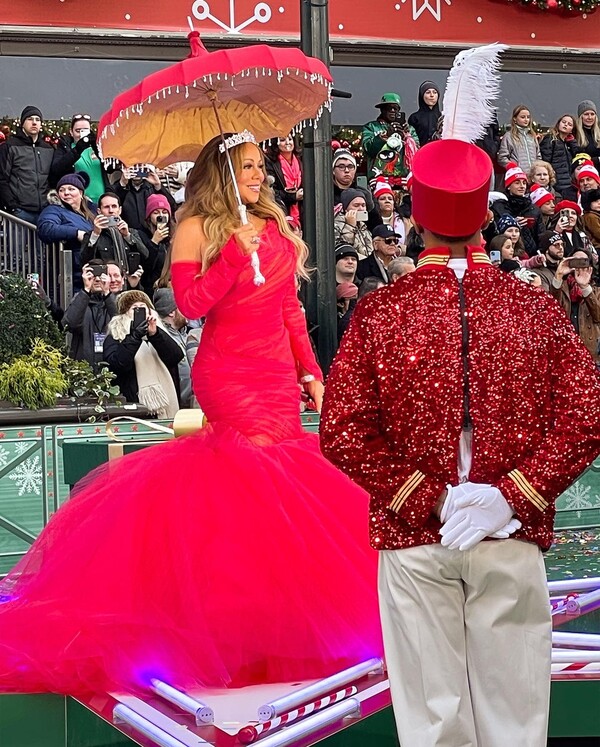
<point>86,318</point>
<point>350,224</point>
<point>77,151</point>
<point>519,205</point>
<point>111,238</point>
<point>567,222</point>
<point>156,234</point>
<point>68,217</point>
<point>176,326</point>
<point>572,287</point>
<point>143,356</point>
<point>134,189</point>
<point>389,142</point>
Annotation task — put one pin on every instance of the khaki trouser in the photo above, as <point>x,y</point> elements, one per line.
<point>467,640</point>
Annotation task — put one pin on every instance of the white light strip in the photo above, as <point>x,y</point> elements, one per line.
<point>311,724</point>
<point>573,584</point>
<point>578,640</point>
<point>572,657</point>
<point>123,713</point>
<point>203,713</point>
<point>316,690</point>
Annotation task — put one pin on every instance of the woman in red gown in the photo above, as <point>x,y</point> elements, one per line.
<point>233,556</point>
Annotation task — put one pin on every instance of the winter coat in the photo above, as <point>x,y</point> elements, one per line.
<point>370,268</point>
<point>588,315</point>
<point>381,158</point>
<point>523,151</point>
<point>134,202</point>
<point>88,314</point>
<point>425,120</point>
<point>357,236</point>
<point>559,154</point>
<point>288,199</point>
<point>522,207</point>
<point>155,260</point>
<point>26,173</point>
<point>112,245</point>
<point>120,357</point>
<point>591,223</point>
<point>58,222</point>
<point>592,148</point>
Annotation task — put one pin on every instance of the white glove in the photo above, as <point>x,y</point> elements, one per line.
<point>507,530</point>
<point>478,515</point>
<point>454,493</point>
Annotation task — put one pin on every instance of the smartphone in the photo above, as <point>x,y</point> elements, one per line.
<point>494,256</point>
<point>113,220</point>
<point>578,262</point>
<point>141,174</point>
<point>98,270</point>
<point>133,262</point>
<point>362,215</point>
<point>162,219</point>
<point>564,213</point>
<point>139,316</point>
<point>33,278</point>
<point>402,119</point>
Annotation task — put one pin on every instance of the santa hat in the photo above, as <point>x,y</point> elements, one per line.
<point>450,182</point>
<point>588,169</point>
<point>513,172</point>
<point>381,187</point>
<point>540,195</point>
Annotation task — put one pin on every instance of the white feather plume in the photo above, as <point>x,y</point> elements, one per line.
<point>472,86</point>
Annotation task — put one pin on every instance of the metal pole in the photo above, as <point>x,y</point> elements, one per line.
<point>318,193</point>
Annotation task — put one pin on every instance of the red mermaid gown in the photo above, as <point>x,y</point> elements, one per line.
<point>234,556</point>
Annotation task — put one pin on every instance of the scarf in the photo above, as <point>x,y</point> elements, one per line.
<point>575,292</point>
<point>156,389</point>
<point>292,175</point>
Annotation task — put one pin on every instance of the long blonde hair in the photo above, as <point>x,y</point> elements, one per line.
<point>581,131</point>
<point>514,128</point>
<point>210,195</point>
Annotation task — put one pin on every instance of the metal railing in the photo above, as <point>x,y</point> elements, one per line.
<point>22,252</point>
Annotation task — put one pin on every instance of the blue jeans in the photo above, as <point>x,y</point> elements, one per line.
<point>26,215</point>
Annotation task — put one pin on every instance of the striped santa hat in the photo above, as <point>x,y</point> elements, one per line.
<point>381,187</point>
<point>540,195</point>
<point>588,169</point>
<point>513,172</point>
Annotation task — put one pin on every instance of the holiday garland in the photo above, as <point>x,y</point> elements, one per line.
<point>570,6</point>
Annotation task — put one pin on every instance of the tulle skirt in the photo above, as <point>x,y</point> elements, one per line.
<point>205,561</point>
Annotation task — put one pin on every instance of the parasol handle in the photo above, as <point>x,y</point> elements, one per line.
<point>259,278</point>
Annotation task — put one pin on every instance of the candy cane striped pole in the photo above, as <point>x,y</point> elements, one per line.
<point>252,732</point>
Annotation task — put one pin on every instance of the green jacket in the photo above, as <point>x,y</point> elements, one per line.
<point>383,160</point>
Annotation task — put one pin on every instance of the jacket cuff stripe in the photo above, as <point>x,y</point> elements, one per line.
<point>528,490</point>
<point>409,486</point>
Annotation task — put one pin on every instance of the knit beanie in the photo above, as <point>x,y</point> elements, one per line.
<point>506,221</point>
<point>547,239</point>
<point>381,187</point>
<point>126,300</point>
<point>164,301</point>
<point>157,202</point>
<point>568,205</point>
<point>588,169</point>
<point>540,195</point>
<point>80,180</point>
<point>343,153</point>
<point>346,290</point>
<point>577,160</point>
<point>588,197</point>
<point>345,250</point>
<point>513,172</point>
<point>350,194</point>
<point>586,106</point>
<point>30,111</point>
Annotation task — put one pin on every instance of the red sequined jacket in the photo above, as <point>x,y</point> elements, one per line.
<point>394,400</point>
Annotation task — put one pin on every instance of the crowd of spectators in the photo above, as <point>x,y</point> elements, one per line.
<point>544,227</point>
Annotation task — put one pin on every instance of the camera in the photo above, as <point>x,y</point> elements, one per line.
<point>162,220</point>
<point>98,270</point>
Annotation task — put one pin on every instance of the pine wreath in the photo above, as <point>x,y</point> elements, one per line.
<point>567,6</point>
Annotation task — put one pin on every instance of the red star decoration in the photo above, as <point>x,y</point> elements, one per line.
<point>98,430</point>
<point>50,474</point>
<point>38,433</point>
<point>1,435</point>
<point>134,428</point>
<point>49,453</point>
<point>20,434</point>
<point>60,431</point>
<point>116,430</point>
<point>79,431</point>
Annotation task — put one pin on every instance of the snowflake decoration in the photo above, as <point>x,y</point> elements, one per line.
<point>262,14</point>
<point>21,447</point>
<point>578,497</point>
<point>433,6</point>
<point>27,476</point>
<point>4,454</point>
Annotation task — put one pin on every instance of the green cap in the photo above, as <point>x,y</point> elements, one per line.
<point>389,98</point>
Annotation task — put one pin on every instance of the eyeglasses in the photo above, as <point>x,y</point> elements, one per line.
<point>391,240</point>
<point>345,167</point>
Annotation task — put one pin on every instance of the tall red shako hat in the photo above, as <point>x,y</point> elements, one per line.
<point>451,177</point>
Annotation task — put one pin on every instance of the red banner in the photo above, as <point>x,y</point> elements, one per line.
<point>441,21</point>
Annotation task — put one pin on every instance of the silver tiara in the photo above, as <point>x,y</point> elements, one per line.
<point>237,139</point>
